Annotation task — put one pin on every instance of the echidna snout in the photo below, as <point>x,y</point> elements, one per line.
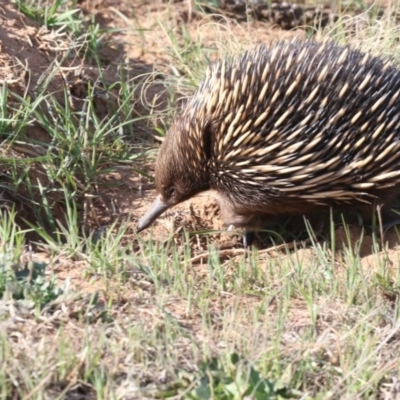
<point>157,208</point>
<point>293,128</point>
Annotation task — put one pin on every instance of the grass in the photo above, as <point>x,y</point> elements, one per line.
<point>90,309</point>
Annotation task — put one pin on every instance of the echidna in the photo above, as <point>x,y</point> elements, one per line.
<point>293,128</point>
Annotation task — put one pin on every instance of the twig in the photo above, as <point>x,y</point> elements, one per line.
<point>236,252</point>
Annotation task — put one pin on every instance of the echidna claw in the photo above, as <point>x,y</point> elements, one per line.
<point>248,238</point>
<point>391,224</point>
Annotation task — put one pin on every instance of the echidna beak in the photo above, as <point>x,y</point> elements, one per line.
<point>157,208</point>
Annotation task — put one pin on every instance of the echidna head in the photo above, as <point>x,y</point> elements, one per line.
<point>179,175</point>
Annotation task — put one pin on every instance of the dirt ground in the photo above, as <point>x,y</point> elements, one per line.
<point>28,50</point>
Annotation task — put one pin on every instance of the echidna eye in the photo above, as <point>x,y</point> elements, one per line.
<point>170,191</point>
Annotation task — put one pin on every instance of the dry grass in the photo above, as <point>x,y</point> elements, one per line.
<point>91,310</point>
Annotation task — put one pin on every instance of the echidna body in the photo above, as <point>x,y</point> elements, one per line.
<point>292,128</point>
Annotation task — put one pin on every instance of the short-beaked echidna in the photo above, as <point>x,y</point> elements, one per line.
<point>291,128</point>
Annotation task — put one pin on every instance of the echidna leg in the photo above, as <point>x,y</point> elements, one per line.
<point>391,224</point>
<point>248,238</point>
<point>388,215</point>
